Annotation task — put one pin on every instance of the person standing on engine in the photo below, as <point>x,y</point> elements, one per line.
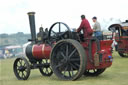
<point>85,26</point>
<point>97,28</point>
<point>40,35</point>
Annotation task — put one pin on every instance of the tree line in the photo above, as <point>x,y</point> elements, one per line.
<point>14,39</point>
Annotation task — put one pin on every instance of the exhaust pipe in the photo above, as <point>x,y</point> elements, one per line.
<point>32,26</point>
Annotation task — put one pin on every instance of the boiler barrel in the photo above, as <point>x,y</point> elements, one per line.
<point>36,51</point>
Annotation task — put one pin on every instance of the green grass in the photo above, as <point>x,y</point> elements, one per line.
<point>117,74</point>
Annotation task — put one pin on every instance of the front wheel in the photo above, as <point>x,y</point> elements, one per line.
<point>21,68</point>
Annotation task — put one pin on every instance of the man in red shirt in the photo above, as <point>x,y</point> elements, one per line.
<point>85,26</point>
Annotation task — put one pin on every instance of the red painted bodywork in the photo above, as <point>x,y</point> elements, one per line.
<point>43,51</point>
<point>122,43</point>
<point>105,50</point>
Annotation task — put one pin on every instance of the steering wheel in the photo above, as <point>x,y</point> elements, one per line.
<point>59,31</point>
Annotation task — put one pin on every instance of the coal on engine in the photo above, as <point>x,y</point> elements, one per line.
<point>63,52</point>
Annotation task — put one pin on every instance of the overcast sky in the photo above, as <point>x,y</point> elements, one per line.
<point>14,18</point>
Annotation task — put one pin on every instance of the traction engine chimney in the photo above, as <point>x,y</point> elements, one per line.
<point>32,26</point>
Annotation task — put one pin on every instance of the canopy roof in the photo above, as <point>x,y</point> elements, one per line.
<point>123,26</point>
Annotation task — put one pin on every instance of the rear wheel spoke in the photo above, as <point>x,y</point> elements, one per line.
<point>77,64</point>
<point>72,71</point>
<point>66,50</point>
<point>73,66</point>
<point>63,55</point>
<point>77,59</point>
<point>59,65</point>
<point>72,53</point>
<point>69,73</point>
<point>66,68</point>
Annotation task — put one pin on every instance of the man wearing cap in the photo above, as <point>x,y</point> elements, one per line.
<point>85,26</point>
<point>97,28</point>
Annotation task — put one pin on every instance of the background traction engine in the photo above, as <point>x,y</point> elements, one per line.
<point>65,53</point>
<point>120,36</point>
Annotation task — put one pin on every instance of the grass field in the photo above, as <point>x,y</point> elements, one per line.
<point>117,74</point>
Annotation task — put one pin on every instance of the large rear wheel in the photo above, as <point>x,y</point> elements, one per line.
<point>68,59</point>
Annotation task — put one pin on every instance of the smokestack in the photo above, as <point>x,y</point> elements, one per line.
<point>32,26</point>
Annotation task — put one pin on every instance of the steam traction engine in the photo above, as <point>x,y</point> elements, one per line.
<point>120,34</point>
<point>65,53</point>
